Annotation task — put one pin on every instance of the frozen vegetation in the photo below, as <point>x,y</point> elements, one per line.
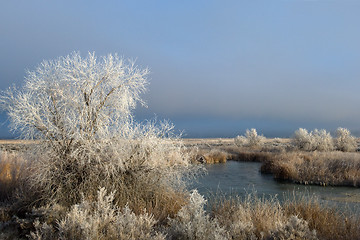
<point>251,139</point>
<point>92,172</point>
<point>321,140</point>
<point>79,111</point>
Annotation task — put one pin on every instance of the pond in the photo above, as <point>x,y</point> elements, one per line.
<point>241,178</point>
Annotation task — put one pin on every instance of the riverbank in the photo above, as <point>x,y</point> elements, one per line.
<point>284,161</point>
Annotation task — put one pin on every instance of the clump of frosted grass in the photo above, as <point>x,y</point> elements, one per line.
<point>294,228</point>
<point>100,219</point>
<point>192,222</point>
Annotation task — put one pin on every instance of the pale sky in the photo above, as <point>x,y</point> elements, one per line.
<point>217,67</point>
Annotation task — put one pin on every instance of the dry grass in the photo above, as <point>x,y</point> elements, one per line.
<point>211,151</point>
<point>158,199</point>
<point>246,155</point>
<point>16,141</point>
<point>321,168</point>
<point>208,141</point>
<point>329,223</point>
<point>13,170</point>
<point>257,216</point>
<point>99,219</point>
<point>264,218</point>
<point>211,156</point>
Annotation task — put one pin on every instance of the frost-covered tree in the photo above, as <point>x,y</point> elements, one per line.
<point>73,100</point>
<point>345,141</point>
<point>303,140</point>
<point>251,139</point>
<point>319,140</point>
<point>323,140</point>
<point>80,111</point>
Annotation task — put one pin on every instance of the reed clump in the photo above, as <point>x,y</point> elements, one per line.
<point>253,217</point>
<point>329,223</point>
<point>14,170</point>
<point>321,168</point>
<point>212,156</point>
<point>249,156</point>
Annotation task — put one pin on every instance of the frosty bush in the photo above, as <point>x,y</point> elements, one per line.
<point>322,140</point>
<point>240,141</point>
<point>192,222</point>
<point>251,139</point>
<point>315,140</point>
<point>303,140</point>
<point>80,111</point>
<point>100,219</point>
<point>344,141</point>
<point>293,229</point>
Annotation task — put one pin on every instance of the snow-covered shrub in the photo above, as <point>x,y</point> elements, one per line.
<point>345,141</point>
<point>303,139</point>
<point>100,219</point>
<point>251,139</point>
<point>80,112</point>
<point>319,140</point>
<point>322,140</point>
<point>294,229</point>
<point>192,222</point>
<point>240,141</point>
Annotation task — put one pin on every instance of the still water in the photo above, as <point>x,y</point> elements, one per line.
<point>241,178</point>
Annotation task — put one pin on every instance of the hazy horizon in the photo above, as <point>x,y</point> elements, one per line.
<point>217,68</point>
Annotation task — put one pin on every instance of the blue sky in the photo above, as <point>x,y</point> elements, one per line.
<point>218,67</point>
